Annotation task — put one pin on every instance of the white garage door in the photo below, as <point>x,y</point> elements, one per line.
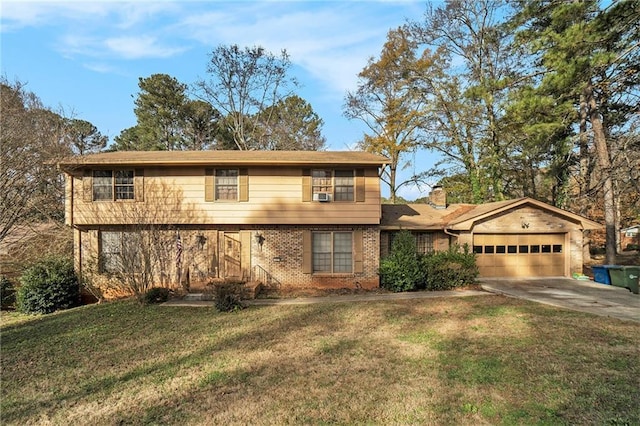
<point>520,255</point>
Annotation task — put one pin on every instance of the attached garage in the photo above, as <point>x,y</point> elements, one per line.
<point>512,238</point>
<point>521,255</point>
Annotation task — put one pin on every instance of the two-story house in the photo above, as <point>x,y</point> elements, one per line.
<point>300,219</point>
<point>296,218</point>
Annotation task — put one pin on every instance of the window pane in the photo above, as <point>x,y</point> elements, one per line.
<point>342,242</point>
<point>344,185</point>
<point>124,184</point>
<point>546,248</point>
<point>342,257</point>
<point>102,185</point>
<point>424,242</point>
<point>110,250</point>
<point>488,249</point>
<point>512,249</point>
<point>535,249</point>
<point>321,181</point>
<point>524,249</point>
<point>557,248</point>
<point>226,184</point>
<point>500,249</point>
<point>321,252</point>
<point>477,249</point>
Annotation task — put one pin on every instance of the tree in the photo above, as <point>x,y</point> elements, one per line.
<point>32,139</point>
<point>84,137</point>
<point>471,69</point>
<point>388,102</point>
<point>292,125</point>
<point>590,58</point>
<point>244,84</point>
<point>168,119</point>
<point>201,123</point>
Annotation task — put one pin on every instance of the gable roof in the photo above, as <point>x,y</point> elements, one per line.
<point>462,217</point>
<point>237,158</point>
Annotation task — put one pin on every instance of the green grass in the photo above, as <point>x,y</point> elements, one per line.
<point>484,360</point>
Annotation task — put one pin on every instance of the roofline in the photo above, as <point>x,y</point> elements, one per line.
<point>93,160</point>
<point>585,222</point>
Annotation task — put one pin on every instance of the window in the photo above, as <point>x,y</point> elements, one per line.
<point>339,184</point>
<point>109,185</point>
<point>424,242</point>
<point>332,252</point>
<point>226,184</point>
<point>500,249</point>
<point>110,251</point>
<point>477,249</point>
<point>512,249</point>
<point>344,185</point>
<point>321,182</point>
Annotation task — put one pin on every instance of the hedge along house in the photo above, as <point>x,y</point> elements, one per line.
<point>513,238</point>
<point>293,218</point>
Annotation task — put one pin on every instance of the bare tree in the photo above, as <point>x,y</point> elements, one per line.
<point>243,83</point>
<point>32,139</point>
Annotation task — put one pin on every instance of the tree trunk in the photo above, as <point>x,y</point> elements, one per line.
<point>602,153</point>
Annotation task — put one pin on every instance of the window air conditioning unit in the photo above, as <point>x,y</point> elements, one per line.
<point>323,197</point>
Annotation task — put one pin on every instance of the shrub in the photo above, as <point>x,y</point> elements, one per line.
<point>156,295</point>
<point>449,269</point>
<point>228,296</point>
<point>401,271</point>
<point>7,293</point>
<point>47,286</point>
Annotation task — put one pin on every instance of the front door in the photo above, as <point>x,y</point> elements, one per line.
<point>232,249</point>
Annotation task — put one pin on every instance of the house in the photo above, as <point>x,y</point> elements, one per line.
<point>513,238</point>
<point>293,218</point>
<point>289,218</point>
<point>630,237</point>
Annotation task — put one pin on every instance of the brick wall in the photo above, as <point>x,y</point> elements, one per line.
<point>281,256</point>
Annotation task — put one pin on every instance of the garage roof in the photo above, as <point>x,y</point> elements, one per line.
<point>463,216</point>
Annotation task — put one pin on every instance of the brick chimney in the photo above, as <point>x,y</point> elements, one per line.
<point>438,197</point>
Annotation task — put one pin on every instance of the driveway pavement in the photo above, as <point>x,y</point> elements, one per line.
<point>585,296</point>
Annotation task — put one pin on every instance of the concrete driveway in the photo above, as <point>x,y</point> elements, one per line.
<point>585,296</point>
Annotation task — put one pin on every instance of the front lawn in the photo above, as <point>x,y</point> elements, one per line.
<point>474,360</point>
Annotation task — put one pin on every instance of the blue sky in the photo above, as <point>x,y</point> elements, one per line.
<point>85,58</point>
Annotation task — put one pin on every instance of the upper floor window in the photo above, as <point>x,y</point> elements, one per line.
<point>226,184</point>
<point>109,185</point>
<point>337,184</point>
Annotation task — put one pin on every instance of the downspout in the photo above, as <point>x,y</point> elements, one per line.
<point>451,234</point>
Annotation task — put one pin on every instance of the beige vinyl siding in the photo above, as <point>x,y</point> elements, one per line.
<point>274,196</point>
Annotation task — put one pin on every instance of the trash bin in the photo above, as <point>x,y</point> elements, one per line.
<point>625,276</point>
<point>601,273</point>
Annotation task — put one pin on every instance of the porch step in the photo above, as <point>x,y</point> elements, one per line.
<point>193,296</point>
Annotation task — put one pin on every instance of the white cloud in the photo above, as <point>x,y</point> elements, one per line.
<point>137,47</point>
<point>331,41</point>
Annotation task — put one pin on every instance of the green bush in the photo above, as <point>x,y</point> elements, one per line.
<point>7,293</point>
<point>47,286</point>
<point>449,269</point>
<point>228,296</point>
<point>401,270</point>
<point>156,295</point>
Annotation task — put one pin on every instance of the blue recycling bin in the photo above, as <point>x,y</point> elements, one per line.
<point>601,274</point>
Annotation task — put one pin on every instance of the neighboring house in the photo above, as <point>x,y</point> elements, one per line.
<point>630,236</point>
<point>513,238</point>
<point>295,218</point>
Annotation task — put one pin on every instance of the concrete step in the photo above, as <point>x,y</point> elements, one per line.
<point>194,296</point>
